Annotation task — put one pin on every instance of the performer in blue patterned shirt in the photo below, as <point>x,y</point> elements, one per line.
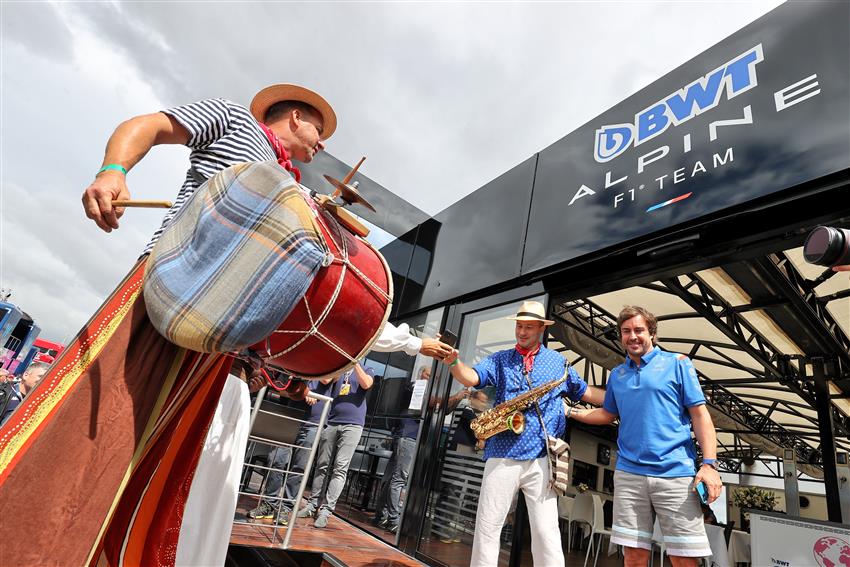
<point>519,462</point>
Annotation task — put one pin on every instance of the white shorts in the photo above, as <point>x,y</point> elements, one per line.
<point>637,501</point>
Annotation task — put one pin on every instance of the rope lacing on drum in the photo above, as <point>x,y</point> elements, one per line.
<point>354,268</point>
<point>346,264</point>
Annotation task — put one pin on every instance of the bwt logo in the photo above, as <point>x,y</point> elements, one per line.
<point>737,75</point>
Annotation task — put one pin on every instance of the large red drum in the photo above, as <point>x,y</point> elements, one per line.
<point>342,313</point>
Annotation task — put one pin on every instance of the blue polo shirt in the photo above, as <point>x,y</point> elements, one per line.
<point>503,370</point>
<point>652,401</point>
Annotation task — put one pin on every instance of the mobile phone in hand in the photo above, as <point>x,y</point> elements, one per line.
<point>702,490</point>
<point>448,338</point>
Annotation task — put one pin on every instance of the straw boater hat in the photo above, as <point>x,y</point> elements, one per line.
<point>532,311</point>
<point>277,93</point>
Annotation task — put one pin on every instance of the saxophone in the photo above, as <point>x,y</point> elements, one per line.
<point>508,414</point>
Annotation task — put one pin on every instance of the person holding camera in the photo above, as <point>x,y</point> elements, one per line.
<point>828,246</point>
<point>291,460</point>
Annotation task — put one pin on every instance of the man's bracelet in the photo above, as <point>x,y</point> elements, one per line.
<point>454,363</point>
<point>115,166</point>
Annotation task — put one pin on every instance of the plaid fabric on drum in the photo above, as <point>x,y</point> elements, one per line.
<point>235,260</point>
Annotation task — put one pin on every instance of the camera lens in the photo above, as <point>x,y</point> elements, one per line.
<point>827,246</point>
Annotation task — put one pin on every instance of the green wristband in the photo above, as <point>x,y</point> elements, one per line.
<point>454,363</point>
<point>114,166</point>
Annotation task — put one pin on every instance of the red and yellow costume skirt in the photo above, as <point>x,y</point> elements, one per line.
<point>96,463</point>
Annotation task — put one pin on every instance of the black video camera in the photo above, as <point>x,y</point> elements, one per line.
<point>827,246</point>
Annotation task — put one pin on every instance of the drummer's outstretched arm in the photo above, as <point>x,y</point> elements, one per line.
<point>435,348</point>
<point>130,142</point>
<point>394,339</point>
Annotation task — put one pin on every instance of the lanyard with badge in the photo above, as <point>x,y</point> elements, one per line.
<point>346,387</point>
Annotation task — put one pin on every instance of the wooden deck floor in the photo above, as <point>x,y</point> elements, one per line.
<point>356,548</point>
<point>349,544</point>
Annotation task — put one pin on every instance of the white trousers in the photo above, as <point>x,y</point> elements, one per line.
<point>208,516</point>
<point>502,479</point>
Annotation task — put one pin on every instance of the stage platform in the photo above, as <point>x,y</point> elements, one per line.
<point>341,542</point>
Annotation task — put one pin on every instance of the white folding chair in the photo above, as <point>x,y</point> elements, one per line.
<point>597,528</point>
<point>582,512</point>
<point>657,539</point>
<point>565,508</point>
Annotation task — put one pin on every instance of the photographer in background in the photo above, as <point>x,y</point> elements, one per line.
<point>10,397</point>
<point>18,391</point>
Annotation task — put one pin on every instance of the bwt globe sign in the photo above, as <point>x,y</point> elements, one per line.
<point>831,552</point>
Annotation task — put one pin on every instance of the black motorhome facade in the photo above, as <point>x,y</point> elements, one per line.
<point>695,189</point>
<point>764,113</point>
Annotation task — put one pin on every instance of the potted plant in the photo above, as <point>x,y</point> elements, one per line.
<point>752,498</point>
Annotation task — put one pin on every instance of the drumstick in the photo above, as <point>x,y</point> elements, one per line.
<point>348,177</point>
<point>353,171</point>
<point>145,204</point>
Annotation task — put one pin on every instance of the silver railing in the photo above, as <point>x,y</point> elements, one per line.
<point>289,425</point>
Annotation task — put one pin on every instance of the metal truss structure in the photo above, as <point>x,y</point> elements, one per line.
<point>777,288</point>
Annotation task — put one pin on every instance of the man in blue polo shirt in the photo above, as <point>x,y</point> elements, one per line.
<point>519,462</point>
<point>657,396</point>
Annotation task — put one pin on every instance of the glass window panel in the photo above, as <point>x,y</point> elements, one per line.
<point>381,469</point>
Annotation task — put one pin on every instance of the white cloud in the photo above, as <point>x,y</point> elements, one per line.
<point>57,114</point>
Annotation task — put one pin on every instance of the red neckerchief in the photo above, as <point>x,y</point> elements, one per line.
<point>528,357</point>
<point>280,152</point>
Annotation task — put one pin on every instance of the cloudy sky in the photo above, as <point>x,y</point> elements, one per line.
<point>441,97</point>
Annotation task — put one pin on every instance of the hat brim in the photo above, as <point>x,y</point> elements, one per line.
<point>546,322</point>
<point>277,93</point>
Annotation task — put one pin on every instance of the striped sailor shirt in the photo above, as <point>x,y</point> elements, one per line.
<point>221,133</point>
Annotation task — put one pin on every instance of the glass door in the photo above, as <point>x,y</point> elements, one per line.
<point>452,497</point>
<point>375,495</point>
